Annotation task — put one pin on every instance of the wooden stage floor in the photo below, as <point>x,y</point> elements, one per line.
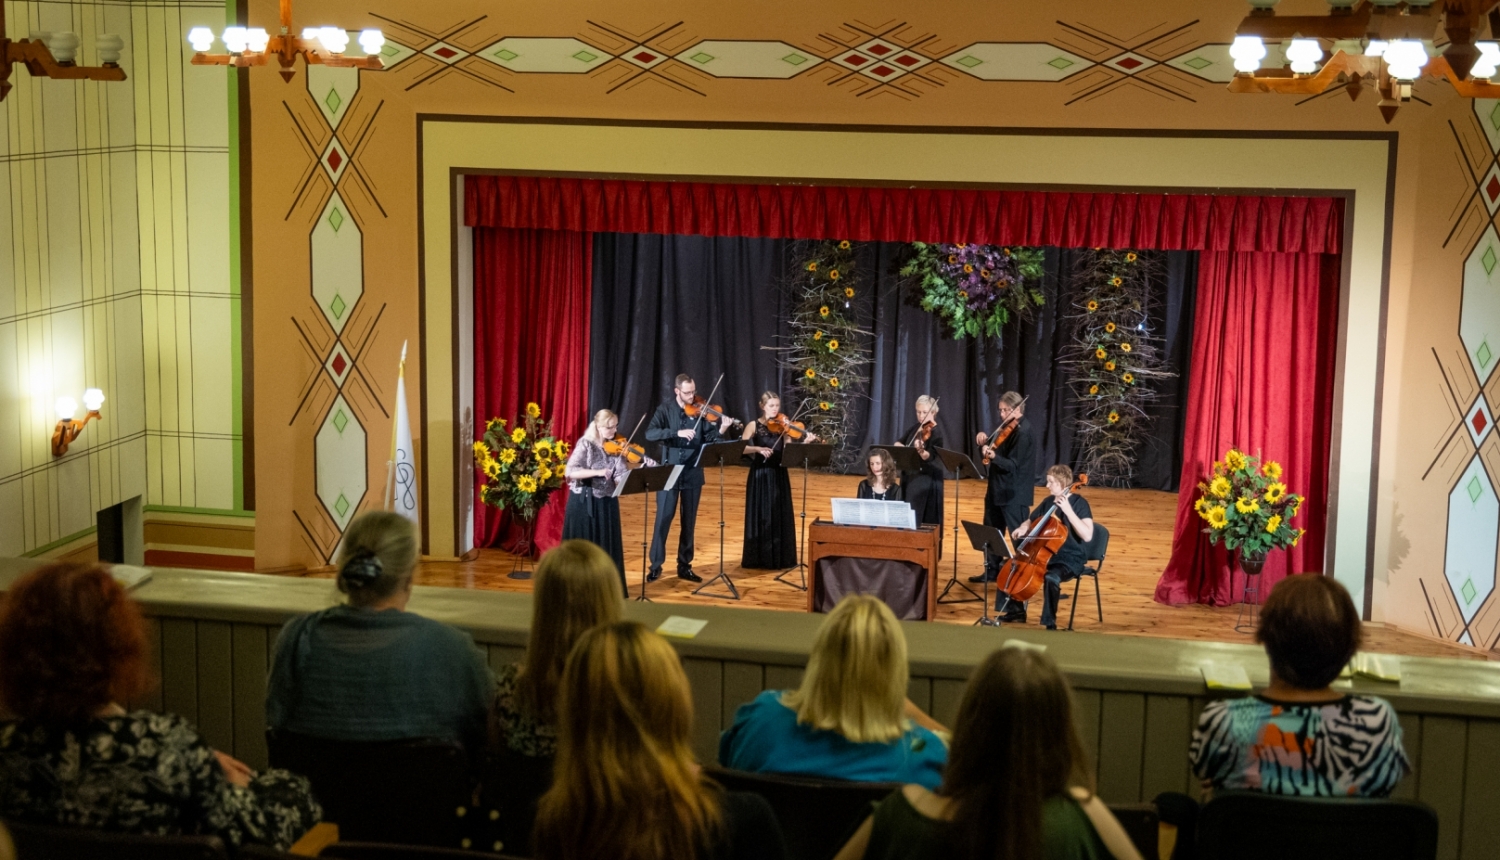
<point>1140,523</point>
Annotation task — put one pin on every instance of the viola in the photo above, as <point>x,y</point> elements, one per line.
<point>705,411</point>
<point>923,433</point>
<point>1003,432</point>
<point>1026,571</point>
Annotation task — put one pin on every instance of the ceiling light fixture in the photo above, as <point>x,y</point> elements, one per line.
<point>255,47</point>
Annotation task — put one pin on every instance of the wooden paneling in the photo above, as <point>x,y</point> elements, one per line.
<point>946,696</point>
<point>1481,826</point>
<point>1443,758</point>
<point>1122,730</point>
<point>1411,738</point>
<point>151,700</point>
<point>179,667</point>
<point>919,690</point>
<point>1086,717</point>
<point>216,684</point>
<point>742,682</point>
<point>707,680</point>
<point>1165,745</point>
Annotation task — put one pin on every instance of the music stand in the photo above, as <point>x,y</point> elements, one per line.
<point>721,452</point>
<point>990,541</point>
<point>807,456</point>
<point>647,480</point>
<point>908,459</point>
<point>961,467</point>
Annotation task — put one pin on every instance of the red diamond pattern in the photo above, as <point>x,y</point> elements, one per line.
<point>1129,63</point>
<point>644,56</point>
<point>446,52</point>
<point>855,60</point>
<point>1479,423</point>
<point>907,61</point>
<point>1492,188</point>
<point>334,160</point>
<point>882,71</point>
<point>339,364</point>
<point>878,50</point>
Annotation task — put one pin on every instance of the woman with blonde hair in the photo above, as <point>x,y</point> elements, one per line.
<point>593,512</point>
<point>626,785</point>
<point>574,592</point>
<point>1017,785</point>
<point>369,670</point>
<point>850,719</point>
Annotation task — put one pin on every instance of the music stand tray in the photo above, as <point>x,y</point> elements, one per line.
<point>805,456</point>
<point>908,459</point>
<point>645,481</point>
<point>720,453</point>
<point>987,539</point>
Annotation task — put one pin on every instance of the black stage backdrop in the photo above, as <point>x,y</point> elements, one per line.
<point>664,305</point>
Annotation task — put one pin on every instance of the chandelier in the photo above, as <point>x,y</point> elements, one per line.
<point>253,46</point>
<point>1386,43</point>
<point>53,55</point>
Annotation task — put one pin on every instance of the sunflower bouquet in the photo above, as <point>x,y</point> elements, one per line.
<point>1246,505</point>
<point>522,463</point>
<point>975,289</point>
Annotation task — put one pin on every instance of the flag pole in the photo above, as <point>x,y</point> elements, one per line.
<point>388,501</point>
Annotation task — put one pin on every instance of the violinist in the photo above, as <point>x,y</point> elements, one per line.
<point>593,512</point>
<point>770,530</point>
<point>682,436</point>
<point>1067,563</point>
<point>923,489</point>
<point>1010,453</point>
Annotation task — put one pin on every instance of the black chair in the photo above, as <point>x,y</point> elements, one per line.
<point>45,842</point>
<point>817,816</point>
<point>391,791</point>
<point>1245,825</point>
<point>381,851</point>
<point>510,786</point>
<point>1142,825</point>
<point>1096,549</point>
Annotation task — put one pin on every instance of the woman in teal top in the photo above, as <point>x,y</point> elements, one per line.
<point>1016,786</point>
<point>850,719</point>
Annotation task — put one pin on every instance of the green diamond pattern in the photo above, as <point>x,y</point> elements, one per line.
<point>1495,117</point>
<point>969,61</point>
<point>585,57</point>
<point>1199,63</point>
<point>1489,259</point>
<point>338,307</point>
<point>1468,591</point>
<point>333,101</point>
<point>1483,354</point>
<point>342,505</point>
<point>506,54</point>
<point>700,58</point>
<point>335,219</point>
<point>1475,489</point>
<point>1058,63</point>
<point>390,50</point>
<point>340,420</point>
<point>794,59</point>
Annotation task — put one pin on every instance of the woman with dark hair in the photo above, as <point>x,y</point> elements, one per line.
<point>1017,785</point>
<point>72,648</point>
<point>880,478</point>
<point>369,670</point>
<point>770,530</point>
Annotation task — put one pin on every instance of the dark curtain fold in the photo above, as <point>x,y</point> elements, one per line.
<point>532,295</point>
<point>1265,334</point>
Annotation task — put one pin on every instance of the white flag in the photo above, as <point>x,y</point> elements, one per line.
<point>401,471</point>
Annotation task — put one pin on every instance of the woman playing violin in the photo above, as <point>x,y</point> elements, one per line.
<point>1067,563</point>
<point>770,532</point>
<point>923,489</point>
<point>598,462</point>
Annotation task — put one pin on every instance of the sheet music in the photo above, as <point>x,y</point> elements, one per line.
<point>873,512</point>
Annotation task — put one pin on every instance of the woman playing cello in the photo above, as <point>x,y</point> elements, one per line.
<point>1067,562</point>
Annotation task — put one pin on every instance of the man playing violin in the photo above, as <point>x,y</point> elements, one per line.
<point>923,488</point>
<point>1067,563</point>
<point>1012,470</point>
<point>682,437</point>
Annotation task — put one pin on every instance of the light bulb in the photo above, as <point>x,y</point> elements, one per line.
<point>64,46</point>
<point>67,407</point>
<point>1489,61</point>
<point>256,39</point>
<point>1376,48</point>
<point>202,39</point>
<point>1247,52</point>
<point>109,47</point>
<point>1405,57</point>
<point>335,39</point>
<point>310,34</point>
<point>93,398</point>
<point>371,41</point>
<point>235,39</point>
<point>40,36</point>
<point>1304,54</point>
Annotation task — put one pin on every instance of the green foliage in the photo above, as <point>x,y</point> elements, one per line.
<point>975,289</point>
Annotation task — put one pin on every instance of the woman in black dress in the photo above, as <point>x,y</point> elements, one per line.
<point>770,532</point>
<point>880,481</point>
<point>923,489</point>
<point>593,512</point>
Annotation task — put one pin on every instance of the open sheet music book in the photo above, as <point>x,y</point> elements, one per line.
<point>873,512</point>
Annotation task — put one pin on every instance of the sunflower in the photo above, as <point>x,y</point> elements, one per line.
<point>481,450</point>
<point>817,335</point>
<point>508,456</point>
<point>984,273</point>
<point>963,294</point>
<point>1219,487</point>
<point>1124,347</point>
<point>492,470</point>
<point>833,274</point>
<point>810,373</point>
<point>1100,353</point>
<point>1201,505</point>
<point>833,381</point>
<point>1246,505</point>
<point>1271,469</point>
<point>825,405</point>
<point>1005,251</point>
<point>543,474</point>
<point>1109,366</point>
<point>533,410</point>
<point>518,435</point>
<point>494,424</point>
<point>1093,306</point>
<point>1273,524</point>
<point>1109,328</point>
<point>968,268</point>
<point>1130,258</point>
<point>1114,417</point>
<point>844,245</point>
<point>543,454</point>
<point>1296,506</point>
<point>1093,389</point>
<point>848,292</point>
<point>1298,536</point>
<point>562,470</point>
<point>560,449</point>
<point>1115,282</point>
<point>526,484</point>
<point>813,266</point>
<point>961,245</point>
<point>1275,492</point>
<point>1234,460</point>
<point>833,344</point>
<point>543,446</point>
<point>823,311</point>
<point>1218,517</point>
<point>1128,378</point>
<point>952,258</point>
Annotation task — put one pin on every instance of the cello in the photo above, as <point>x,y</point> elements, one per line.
<point>1025,572</point>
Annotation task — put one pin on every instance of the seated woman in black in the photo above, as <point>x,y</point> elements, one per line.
<point>880,478</point>
<point>1068,562</point>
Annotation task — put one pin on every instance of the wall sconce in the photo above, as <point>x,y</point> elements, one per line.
<point>67,428</point>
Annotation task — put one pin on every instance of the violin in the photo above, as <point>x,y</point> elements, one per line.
<point>703,410</point>
<point>621,447</point>
<point>787,429</point>
<point>1026,571</point>
<point>923,434</point>
<point>1003,432</point>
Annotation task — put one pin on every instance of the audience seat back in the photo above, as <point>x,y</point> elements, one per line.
<point>379,851</point>
<point>47,842</point>
<point>511,786</point>
<point>1243,825</point>
<point>1142,824</point>
<point>390,791</point>
<point>817,816</point>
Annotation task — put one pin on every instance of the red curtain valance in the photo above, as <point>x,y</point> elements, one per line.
<point>1188,222</point>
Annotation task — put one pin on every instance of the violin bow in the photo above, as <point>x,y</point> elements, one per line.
<point>914,433</point>
<point>706,402</point>
<point>636,430</point>
<point>1003,423</point>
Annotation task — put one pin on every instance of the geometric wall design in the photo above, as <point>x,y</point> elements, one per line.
<point>1479,321</point>
<point>340,447</point>
<point>1473,532</point>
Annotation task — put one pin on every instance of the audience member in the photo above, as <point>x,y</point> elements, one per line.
<point>72,648</point>
<point>369,670</point>
<point>850,719</point>
<point>574,591</point>
<point>626,785</point>
<point>1300,736</point>
<point>1016,786</point>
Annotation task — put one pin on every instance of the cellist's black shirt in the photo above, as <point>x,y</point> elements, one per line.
<point>1072,553</point>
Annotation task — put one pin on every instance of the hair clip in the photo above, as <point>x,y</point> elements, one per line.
<point>362,569</point>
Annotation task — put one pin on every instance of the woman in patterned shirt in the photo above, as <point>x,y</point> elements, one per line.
<point>72,646</point>
<point>1299,736</point>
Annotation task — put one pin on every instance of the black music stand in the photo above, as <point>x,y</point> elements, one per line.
<point>989,541</point>
<point>961,467</point>
<point>908,459</point>
<point>806,456</point>
<point>645,481</point>
<point>721,453</point>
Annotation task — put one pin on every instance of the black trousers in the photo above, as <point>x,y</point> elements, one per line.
<point>1005,518</point>
<point>1057,574</point>
<point>666,510</point>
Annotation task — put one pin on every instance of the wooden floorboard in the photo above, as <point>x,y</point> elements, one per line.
<point>1140,524</point>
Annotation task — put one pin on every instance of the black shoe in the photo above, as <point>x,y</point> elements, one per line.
<point>654,575</point>
<point>689,575</point>
<point>1013,617</point>
<point>1049,626</point>
<point>983,577</point>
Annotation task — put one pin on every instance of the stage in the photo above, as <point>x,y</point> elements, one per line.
<point>1140,524</point>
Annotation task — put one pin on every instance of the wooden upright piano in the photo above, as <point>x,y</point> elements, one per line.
<point>860,559</point>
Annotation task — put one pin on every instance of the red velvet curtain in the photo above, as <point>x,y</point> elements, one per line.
<point>1191,222</point>
<point>1261,378</point>
<point>532,291</point>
